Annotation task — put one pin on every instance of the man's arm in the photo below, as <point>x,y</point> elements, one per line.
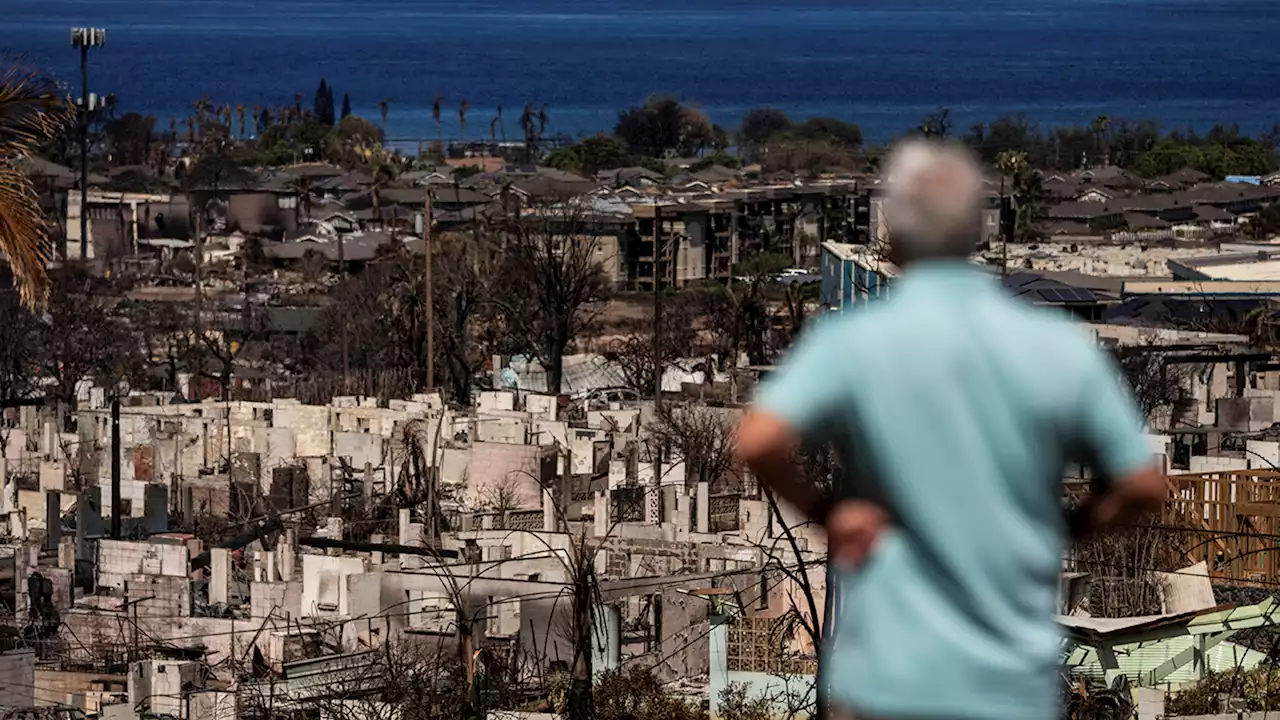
<point>1119,503</point>
<point>798,402</point>
<point>802,403</point>
<point>1111,440</point>
<point>767,444</point>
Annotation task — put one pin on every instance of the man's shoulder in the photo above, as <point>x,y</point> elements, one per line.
<point>1048,331</point>
<point>849,330</point>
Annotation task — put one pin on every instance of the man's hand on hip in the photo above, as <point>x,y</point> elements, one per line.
<point>853,527</point>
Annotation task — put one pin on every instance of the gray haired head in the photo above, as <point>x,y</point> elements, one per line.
<point>933,201</point>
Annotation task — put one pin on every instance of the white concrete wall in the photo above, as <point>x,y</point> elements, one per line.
<point>1215,463</point>
<point>309,423</point>
<point>490,400</point>
<point>494,466</point>
<point>118,559</point>
<point>672,474</point>
<point>324,583</point>
<point>541,407</point>
<point>1262,454</point>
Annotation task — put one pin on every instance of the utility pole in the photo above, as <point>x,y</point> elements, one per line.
<point>199,319</point>
<point>115,468</point>
<point>1006,228</point>
<point>346,342</point>
<point>657,307</point>
<point>427,309</point>
<point>85,38</point>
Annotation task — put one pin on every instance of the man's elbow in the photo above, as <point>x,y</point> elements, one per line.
<point>751,451</point>
<point>1147,491</point>
<point>760,439</point>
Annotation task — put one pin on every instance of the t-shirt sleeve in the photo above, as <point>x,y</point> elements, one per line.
<point>801,390</point>
<point>1109,425</point>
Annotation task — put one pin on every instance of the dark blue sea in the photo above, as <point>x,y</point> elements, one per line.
<point>884,64</point>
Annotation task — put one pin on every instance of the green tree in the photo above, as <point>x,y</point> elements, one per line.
<point>284,143</point>
<point>1168,156</point>
<point>1027,192</point>
<point>761,124</point>
<point>1265,224</point>
<point>651,163</point>
<point>130,136</point>
<point>829,130</point>
<point>719,158</point>
<point>346,105</point>
<point>601,152</point>
<point>323,104</point>
<point>568,159</point>
<point>663,125</point>
<point>1101,127</point>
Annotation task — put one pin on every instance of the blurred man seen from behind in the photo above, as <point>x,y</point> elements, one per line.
<point>953,408</point>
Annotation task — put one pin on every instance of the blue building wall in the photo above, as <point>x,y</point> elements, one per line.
<point>830,273</point>
<point>846,282</point>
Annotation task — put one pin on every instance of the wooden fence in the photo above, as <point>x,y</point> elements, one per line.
<point>1230,521</point>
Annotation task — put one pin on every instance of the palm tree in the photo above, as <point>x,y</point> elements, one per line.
<point>543,119</point>
<point>240,117</point>
<point>528,124</point>
<point>501,128</point>
<point>1027,192</point>
<point>32,111</point>
<point>1101,125</point>
<point>1011,164</point>
<point>384,170</point>
<point>462,117</point>
<point>383,106</point>
<point>435,115</point>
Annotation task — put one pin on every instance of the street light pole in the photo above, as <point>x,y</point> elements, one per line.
<point>428,309</point>
<point>85,38</point>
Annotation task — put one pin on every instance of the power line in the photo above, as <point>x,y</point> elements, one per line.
<point>1123,566</point>
<point>323,624</point>
<point>711,627</point>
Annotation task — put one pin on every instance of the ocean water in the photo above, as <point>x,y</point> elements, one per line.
<point>884,64</point>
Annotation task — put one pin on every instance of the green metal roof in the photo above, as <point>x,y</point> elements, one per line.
<point>1138,660</point>
<point>1160,651</point>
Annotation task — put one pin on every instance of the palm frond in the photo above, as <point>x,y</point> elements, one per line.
<point>31,109</point>
<point>31,112</point>
<point>23,236</point>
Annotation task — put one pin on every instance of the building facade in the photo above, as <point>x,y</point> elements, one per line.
<point>852,275</point>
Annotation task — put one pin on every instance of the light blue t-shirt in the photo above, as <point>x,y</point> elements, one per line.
<point>956,406</point>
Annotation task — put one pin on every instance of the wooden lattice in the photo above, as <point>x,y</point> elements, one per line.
<point>1230,520</point>
<point>761,645</point>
